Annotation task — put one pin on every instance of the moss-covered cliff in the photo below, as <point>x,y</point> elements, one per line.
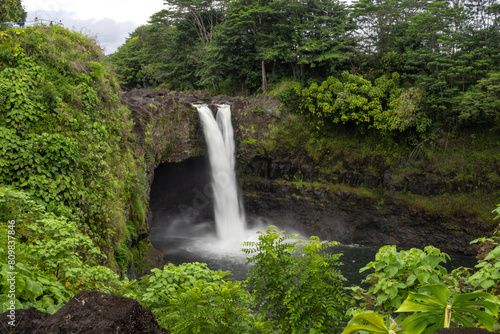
<point>65,138</point>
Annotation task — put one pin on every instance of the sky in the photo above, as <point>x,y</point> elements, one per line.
<point>109,21</point>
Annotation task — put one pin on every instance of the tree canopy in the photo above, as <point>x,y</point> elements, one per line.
<point>442,52</point>
<point>12,10</point>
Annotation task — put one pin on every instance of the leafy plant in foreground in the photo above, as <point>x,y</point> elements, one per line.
<point>435,311</point>
<point>300,288</point>
<point>53,259</point>
<point>191,298</point>
<point>369,322</point>
<point>397,273</point>
<point>488,275</point>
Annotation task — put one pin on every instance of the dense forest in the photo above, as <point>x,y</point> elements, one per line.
<point>389,65</point>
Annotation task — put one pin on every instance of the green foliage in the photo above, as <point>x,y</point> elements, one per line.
<point>250,141</point>
<point>32,288</point>
<point>382,105</point>
<point>442,50</point>
<point>53,259</point>
<point>12,10</point>
<point>298,288</point>
<point>59,248</point>
<point>441,46</point>
<point>497,212</point>
<point>290,95</point>
<point>234,43</point>
<point>480,104</point>
<point>396,274</point>
<point>211,308</point>
<point>487,277</point>
<point>62,130</point>
<point>435,311</point>
<point>191,298</point>
<point>369,322</point>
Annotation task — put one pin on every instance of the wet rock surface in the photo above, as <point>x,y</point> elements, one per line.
<point>89,312</point>
<point>352,218</point>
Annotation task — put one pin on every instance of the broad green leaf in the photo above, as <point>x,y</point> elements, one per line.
<point>461,299</point>
<point>382,298</point>
<point>375,324</point>
<point>494,254</point>
<point>416,306</point>
<point>33,289</point>
<point>423,277</point>
<point>484,318</point>
<point>411,279</point>
<point>418,322</point>
<point>391,270</point>
<point>487,283</point>
<point>439,291</point>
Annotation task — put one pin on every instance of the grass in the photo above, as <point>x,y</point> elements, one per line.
<point>473,205</point>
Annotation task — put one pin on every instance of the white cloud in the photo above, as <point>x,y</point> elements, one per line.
<point>111,21</point>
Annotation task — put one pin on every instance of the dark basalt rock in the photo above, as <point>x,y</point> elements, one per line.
<point>353,218</point>
<point>25,321</point>
<point>88,312</point>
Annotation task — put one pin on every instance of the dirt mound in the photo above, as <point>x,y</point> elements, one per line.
<point>88,312</point>
<point>26,321</point>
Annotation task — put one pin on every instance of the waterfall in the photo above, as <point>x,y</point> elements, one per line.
<point>229,216</point>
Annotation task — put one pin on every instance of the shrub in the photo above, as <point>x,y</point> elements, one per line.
<point>300,288</point>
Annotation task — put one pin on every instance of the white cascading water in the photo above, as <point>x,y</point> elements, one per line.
<point>229,216</point>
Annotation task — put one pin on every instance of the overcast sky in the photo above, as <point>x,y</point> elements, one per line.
<point>111,21</point>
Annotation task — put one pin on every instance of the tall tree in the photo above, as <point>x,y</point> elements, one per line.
<point>322,33</point>
<point>298,34</point>
<point>378,19</point>
<point>12,10</point>
<point>249,25</point>
<point>450,55</point>
<point>202,15</point>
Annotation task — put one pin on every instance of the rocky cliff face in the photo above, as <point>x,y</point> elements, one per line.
<point>349,217</point>
<point>167,130</point>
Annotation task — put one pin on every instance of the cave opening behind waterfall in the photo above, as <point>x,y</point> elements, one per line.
<point>183,224</point>
<point>181,199</point>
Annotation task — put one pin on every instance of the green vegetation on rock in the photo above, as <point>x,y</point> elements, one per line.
<point>74,186</point>
<point>63,131</point>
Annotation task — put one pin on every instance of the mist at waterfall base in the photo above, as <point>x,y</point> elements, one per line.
<point>211,227</point>
<point>199,243</point>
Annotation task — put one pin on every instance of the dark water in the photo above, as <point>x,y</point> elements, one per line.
<point>203,246</point>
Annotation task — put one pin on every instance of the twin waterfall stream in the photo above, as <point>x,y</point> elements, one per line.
<point>228,208</point>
